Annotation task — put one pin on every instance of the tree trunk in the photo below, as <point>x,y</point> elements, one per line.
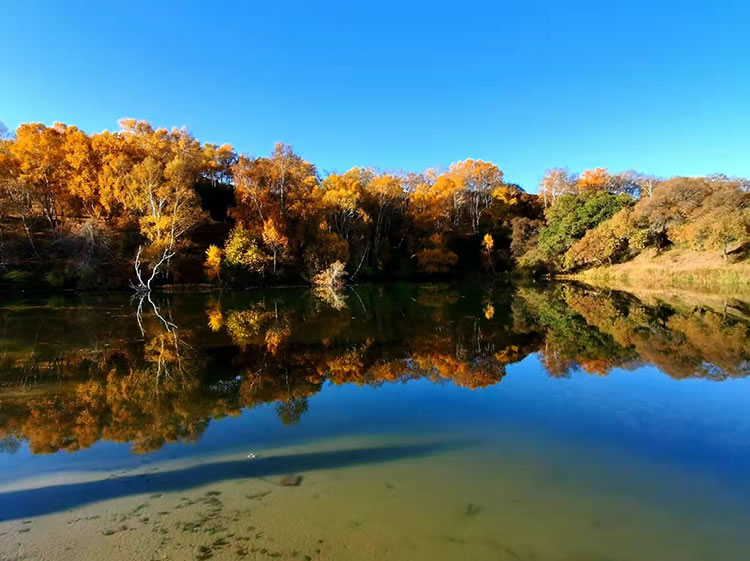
<point>30,236</point>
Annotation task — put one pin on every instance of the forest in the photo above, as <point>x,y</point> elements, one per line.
<point>144,207</point>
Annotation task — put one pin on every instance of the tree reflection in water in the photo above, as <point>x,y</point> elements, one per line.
<point>74,374</point>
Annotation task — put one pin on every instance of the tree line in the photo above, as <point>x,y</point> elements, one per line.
<point>146,206</point>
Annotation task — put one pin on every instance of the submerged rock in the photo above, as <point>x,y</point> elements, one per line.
<point>291,480</point>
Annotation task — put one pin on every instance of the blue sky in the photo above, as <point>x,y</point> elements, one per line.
<point>659,86</point>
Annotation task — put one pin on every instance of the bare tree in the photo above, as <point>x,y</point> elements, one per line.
<point>556,182</point>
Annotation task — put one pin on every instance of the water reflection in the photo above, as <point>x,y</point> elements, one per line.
<point>156,371</point>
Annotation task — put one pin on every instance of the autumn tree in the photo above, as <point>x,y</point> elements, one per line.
<point>161,194</point>
<point>251,188</point>
<point>603,245</point>
<point>291,178</point>
<point>434,203</point>
<point>16,198</point>
<point>275,203</point>
<point>217,163</point>
<point>323,249</point>
<point>283,180</point>
<point>383,201</point>
<point>83,169</point>
<point>341,198</point>
<point>488,243</point>
<point>116,154</point>
<point>332,277</point>
<point>676,201</point>
<point>275,240</point>
<point>475,182</point>
<point>215,183</point>
<point>42,168</point>
<point>721,221</point>
<point>436,257</point>
<point>212,264</point>
<point>722,230</point>
<point>597,179</point>
<point>242,250</point>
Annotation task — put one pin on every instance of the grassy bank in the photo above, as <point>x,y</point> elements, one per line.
<point>680,268</point>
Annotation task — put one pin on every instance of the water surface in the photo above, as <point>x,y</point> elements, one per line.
<point>384,422</point>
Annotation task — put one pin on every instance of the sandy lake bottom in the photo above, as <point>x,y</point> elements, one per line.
<point>374,498</point>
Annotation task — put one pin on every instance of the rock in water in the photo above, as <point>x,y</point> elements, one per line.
<point>473,510</point>
<point>291,480</point>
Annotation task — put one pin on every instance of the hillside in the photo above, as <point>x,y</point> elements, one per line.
<point>676,267</point>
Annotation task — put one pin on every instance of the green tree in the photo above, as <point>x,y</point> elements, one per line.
<point>571,216</point>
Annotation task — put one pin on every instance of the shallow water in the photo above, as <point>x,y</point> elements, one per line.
<point>425,422</point>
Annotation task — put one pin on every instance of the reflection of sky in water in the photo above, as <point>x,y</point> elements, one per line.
<point>688,425</point>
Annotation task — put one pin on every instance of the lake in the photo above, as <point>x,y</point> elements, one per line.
<point>471,422</point>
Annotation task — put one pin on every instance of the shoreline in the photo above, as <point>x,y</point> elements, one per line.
<point>672,269</point>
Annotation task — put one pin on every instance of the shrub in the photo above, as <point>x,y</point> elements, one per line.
<point>333,276</point>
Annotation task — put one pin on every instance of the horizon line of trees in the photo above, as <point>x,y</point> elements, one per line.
<point>146,206</point>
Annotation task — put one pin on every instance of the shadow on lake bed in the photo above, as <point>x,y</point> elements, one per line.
<point>28,503</point>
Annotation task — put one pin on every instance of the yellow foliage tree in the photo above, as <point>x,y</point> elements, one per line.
<point>476,181</point>
<point>275,240</point>
<point>242,250</point>
<point>212,265</point>
<point>597,179</point>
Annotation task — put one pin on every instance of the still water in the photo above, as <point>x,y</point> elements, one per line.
<point>418,422</point>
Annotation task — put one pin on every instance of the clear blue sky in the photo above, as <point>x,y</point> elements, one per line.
<point>659,86</point>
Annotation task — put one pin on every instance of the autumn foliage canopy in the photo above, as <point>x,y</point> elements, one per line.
<point>146,206</point>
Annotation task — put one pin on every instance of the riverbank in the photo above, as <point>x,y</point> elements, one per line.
<point>679,268</point>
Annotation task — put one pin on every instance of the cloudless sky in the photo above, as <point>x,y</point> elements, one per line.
<point>658,86</point>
